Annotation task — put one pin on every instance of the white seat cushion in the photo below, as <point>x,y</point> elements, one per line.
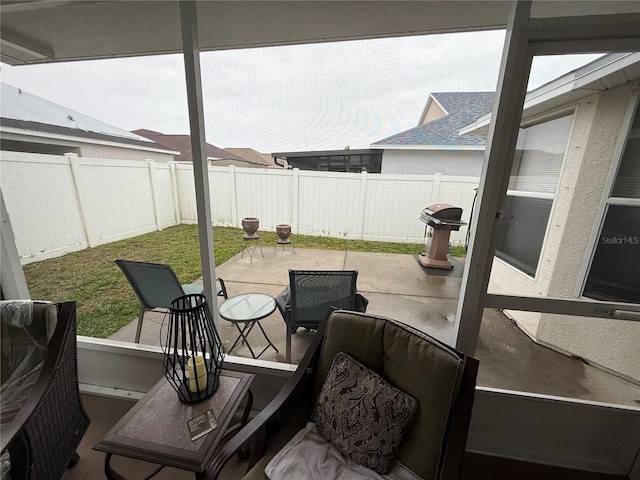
<point>308,456</point>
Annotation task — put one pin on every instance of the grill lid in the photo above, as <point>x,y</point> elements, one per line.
<point>442,216</point>
<point>444,211</point>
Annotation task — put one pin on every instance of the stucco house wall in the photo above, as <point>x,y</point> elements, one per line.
<point>568,245</point>
<point>429,162</point>
<point>123,153</point>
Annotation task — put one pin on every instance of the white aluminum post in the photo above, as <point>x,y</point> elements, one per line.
<point>191,51</point>
<point>503,133</point>
<point>14,285</point>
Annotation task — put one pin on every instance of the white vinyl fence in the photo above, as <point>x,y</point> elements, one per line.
<point>59,204</point>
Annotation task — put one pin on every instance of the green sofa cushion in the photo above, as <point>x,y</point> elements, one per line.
<point>428,372</point>
<point>410,361</point>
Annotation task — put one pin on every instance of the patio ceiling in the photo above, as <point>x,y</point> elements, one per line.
<point>46,31</point>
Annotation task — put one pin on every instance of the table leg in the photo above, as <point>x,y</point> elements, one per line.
<point>245,415</point>
<point>242,338</point>
<point>247,408</point>
<point>111,474</point>
<point>269,341</point>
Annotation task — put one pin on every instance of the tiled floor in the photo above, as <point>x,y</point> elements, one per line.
<point>105,412</point>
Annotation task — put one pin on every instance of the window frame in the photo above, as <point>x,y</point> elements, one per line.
<point>607,199</point>
<point>541,195</point>
<point>527,37</point>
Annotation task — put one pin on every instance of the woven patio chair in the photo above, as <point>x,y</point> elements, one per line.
<point>42,413</point>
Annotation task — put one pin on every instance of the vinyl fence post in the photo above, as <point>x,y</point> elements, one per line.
<point>177,213</point>
<point>295,199</point>
<point>154,197</point>
<point>236,222</point>
<point>74,164</point>
<point>362,197</point>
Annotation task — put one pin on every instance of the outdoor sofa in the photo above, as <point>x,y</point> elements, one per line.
<point>440,378</point>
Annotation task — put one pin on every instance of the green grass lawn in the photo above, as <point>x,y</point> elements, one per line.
<point>105,299</point>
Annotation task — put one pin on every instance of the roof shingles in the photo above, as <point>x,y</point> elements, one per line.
<point>463,108</point>
<point>182,143</point>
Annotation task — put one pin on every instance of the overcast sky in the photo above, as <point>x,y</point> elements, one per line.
<point>278,99</point>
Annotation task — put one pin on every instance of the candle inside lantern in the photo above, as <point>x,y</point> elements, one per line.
<point>199,371</point>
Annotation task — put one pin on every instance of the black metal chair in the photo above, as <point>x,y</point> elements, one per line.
<point>156,285</point>
<point>310,295</point>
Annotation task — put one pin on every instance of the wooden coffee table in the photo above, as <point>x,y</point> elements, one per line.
<point>155,429</point>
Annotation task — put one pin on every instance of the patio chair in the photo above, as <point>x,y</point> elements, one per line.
<point>156,285</point>
<point>310,295</point>
<point>43,419</point>
<point>441,379</point>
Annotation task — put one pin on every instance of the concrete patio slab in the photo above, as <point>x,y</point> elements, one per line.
<point>273,269</point>
<point>398,287</point>
<point>399,275</point>
<point>434,316</point>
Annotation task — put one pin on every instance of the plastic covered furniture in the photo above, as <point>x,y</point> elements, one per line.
<point>43,419</point>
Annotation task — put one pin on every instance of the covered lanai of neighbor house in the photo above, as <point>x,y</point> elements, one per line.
<point>536,428</point>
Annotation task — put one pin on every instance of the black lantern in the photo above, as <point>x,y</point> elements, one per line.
<point>192,349</point>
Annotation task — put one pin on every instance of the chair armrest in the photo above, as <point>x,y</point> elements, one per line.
<point>283,302</point>
<point>458,429</point>
<point>223,288</point>
<point>277,411</point>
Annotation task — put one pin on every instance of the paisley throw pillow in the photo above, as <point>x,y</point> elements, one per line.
<point>363,415</point>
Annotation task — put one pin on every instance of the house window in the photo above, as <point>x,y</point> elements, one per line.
<point>536,170</point>
<point>613,274</point>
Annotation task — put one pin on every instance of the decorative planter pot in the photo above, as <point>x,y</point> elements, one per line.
<point>250,226</point>
<point>283,231</point>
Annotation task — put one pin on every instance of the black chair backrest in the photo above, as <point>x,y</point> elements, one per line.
<point>155,284</point>
<point>314,292</point>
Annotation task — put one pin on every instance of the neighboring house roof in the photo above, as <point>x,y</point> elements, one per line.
<point>182,143</point>
<point>24,111</point>
<point>459,109</point>
<point>252,156</point>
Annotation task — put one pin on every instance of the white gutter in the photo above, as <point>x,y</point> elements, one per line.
<point>429,147</point>
<point>580,78</point>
